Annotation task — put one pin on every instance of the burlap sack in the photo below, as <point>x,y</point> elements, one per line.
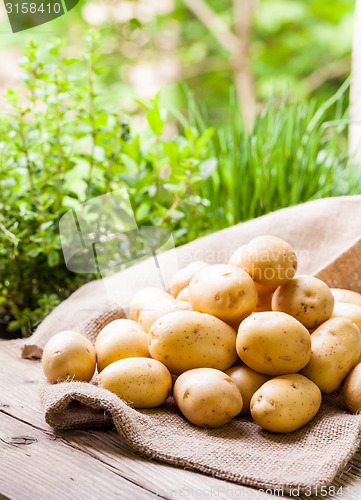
<point>326,235</point>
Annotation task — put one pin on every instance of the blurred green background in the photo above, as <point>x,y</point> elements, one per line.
<point>304,45</point>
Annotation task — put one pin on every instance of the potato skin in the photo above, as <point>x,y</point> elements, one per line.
<point>352,390</point>
<point>348,296</point>
<point>336,348</point>
<point>185,340</point>
<point>273,343</point>
<point>269,260</point>
<point>285,403</point>
<point>248,382</point>
<point>141,382</point>
<point>306,298</point>
<point>183,294</point>
<point>68,354</point>
<point>207,397</point>
<point>224,291</point>
<point>144,298</point>
<point>123,324</point>
<point>350,311</point>
<point>182,278</point>
<point>150,314</point>
<point>122,340</point>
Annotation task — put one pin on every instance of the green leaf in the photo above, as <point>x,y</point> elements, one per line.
<point>34,252</point>
<point>101,120</point>
<point>155,121</point>
<point>16,325</point>
<point>99,71</point>
<point>53,258</point>
<point>143,211</point>
<point>69,61</point>
<point>171,150</point>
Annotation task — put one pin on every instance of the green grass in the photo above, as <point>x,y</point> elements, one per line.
<point>295,152</point>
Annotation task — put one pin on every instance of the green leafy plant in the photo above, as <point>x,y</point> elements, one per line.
<point>60,146</point>
<point>48,157</point>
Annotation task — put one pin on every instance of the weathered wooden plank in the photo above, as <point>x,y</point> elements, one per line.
<point>38,465</point>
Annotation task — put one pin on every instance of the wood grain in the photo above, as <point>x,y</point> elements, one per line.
<point>37,465</point>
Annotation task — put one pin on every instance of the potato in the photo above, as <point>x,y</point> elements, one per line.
<point>348,296</point>
<point>184,340</point>
<point>126,324</point>
<point>144,298</point>
<point>248,382</point>
<point>182,278</point>
<point>207,397</point>
<point>183,294</point>
<point>224,291</point>
<point>70,355</point>
<point>236,257</point>
<point>306,298</point>
<point>350,311</point>
<point>155,311</point>
<point>273,343</point>
<point>285,403</point>
<point>336,348</point>
<point>264,303</point>
<point>141,382</point>
<point>122,340</point>
<point>352,390</point>
<point>270,261</point>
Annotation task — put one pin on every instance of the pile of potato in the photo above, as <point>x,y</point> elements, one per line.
<point>247,337</point>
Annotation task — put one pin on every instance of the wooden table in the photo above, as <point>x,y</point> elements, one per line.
<point>38,463</point>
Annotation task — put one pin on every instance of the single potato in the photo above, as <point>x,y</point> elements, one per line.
<point>306,298</point>
<point>149,315</point>
<point>248,382</point>
<point>184,340</point>
<point>236,257</point>
<point>348,296</point>
<point>68,355</point>
<point>145,298</point>
<point>124,324</point>
<point>273,343</point>
<point>336,349</point>
<point>352,390</point>
<point>269,260</point>
<point>141,382</point>
<point>224,291</point>
<point>207,397</point>
<point>285,403</point>
<point>183,294</point>
<point>182,278</point>
<point>122,340</point>
<point>348,310</point>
